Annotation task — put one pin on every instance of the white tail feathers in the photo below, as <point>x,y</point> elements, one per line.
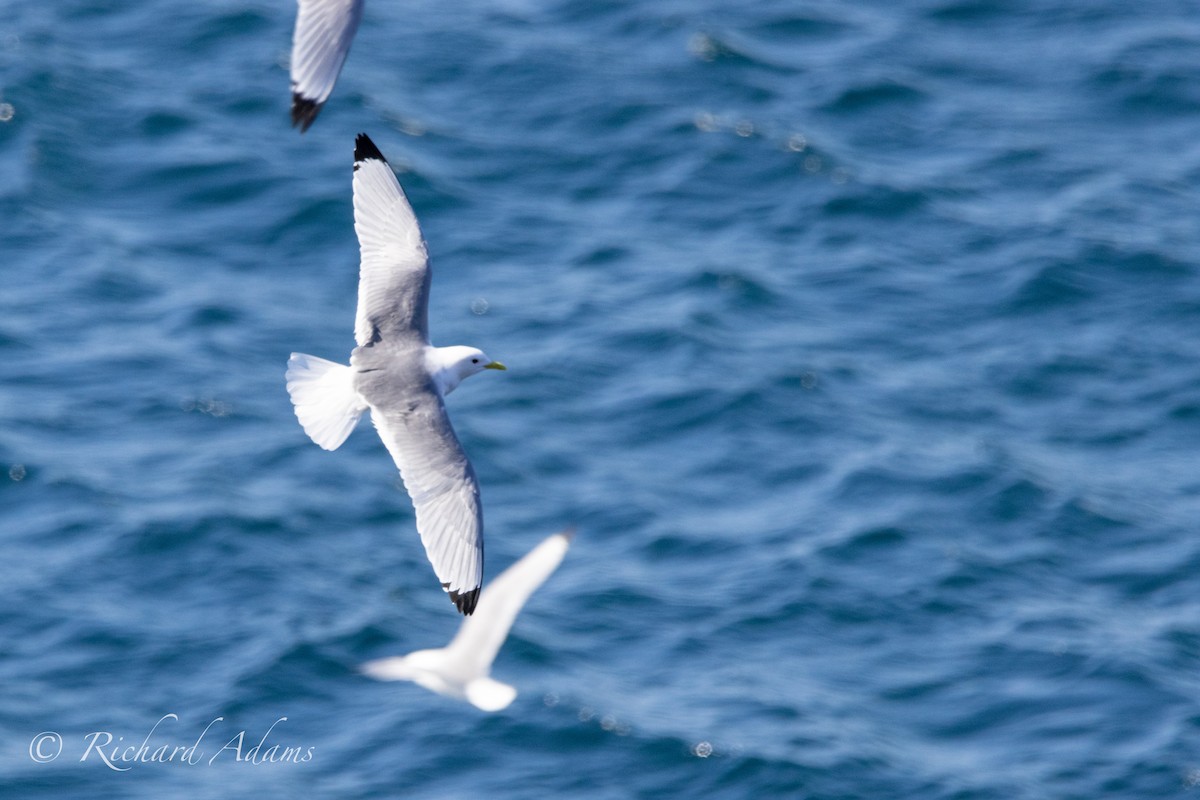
<point>326,403</point>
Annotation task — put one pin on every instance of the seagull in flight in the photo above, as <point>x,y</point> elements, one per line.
<point>402,378</point>
<point>462,669</point>
<point>320,44</point>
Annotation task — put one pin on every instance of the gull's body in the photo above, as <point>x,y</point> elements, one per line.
<point>402,378</point>
<point>462,669</point>
<point>320,44</point>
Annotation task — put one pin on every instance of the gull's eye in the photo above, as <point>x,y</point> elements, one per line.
<point>474,360</point>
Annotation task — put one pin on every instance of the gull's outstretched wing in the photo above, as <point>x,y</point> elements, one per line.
<point>441,482</point>
<point>474,648</point>
<point>320,43</point>
<point>393,282</point>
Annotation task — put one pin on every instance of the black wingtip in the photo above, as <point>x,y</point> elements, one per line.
<point>465,602</point>
<point>365,149</point>
<point>304,111</point>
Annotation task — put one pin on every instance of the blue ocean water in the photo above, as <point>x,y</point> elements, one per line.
<point>858,340</point>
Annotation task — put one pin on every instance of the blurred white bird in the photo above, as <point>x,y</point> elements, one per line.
<point>462,668</point>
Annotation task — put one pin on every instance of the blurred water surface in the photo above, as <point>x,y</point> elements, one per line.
<point>857,339</point>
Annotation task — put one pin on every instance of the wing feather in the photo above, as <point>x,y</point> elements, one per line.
<point>320,44</point>
<point>393,285</point>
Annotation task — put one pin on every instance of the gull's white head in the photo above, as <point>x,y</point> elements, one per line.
<point>450,366</point>
<point>471,360</point>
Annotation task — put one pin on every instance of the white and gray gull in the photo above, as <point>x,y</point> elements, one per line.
<point>402,378</point>
<point>320,44</point>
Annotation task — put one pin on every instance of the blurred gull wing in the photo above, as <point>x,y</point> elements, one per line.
<point>474,648</point>
<point>320,43</point>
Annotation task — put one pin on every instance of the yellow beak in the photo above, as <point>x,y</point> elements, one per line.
<point>494,365</point>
